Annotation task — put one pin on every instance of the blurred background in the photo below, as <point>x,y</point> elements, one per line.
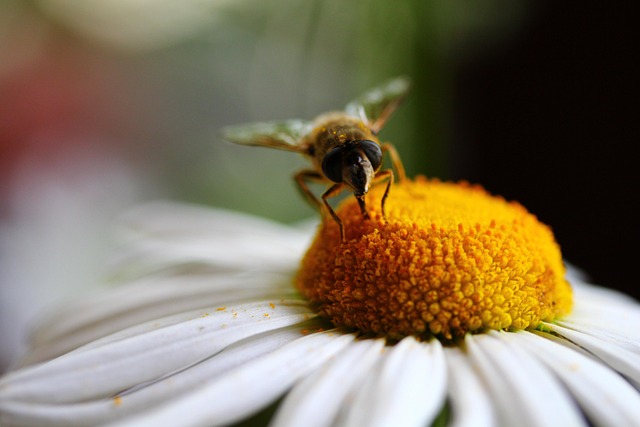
<point>106,104</point>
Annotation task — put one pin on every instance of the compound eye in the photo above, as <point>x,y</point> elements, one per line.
<point>332,164</point>
<point>373,153</point>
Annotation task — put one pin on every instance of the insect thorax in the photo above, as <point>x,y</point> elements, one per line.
<point>335,129</point>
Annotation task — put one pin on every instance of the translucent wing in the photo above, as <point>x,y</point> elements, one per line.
<point>284,135</point>
<point>375,106</point>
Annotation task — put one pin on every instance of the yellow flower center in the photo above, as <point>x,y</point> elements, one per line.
<point>449,259</point>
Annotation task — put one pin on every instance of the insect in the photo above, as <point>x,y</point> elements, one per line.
<point>342,146</point>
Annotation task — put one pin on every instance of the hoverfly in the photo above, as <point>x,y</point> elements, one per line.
<point>342,146</point>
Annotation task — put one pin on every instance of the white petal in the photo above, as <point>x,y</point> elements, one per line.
<point>599,294</point>
<point>605,313</point>
<point>470,402</point>
<point>408,389</point>
<point>150,256</point>
<point>146,352</point>
<point>115,309</point>
<point>316,400</point>
<point>575,274</point>
<point>604,396</point>
<point>524,392</point>
<point>181,221</point>
<point>605,327</point>
<point>147,396</point>
<point>245,390</point>
<point>621,359</point>
<point>164,235</point>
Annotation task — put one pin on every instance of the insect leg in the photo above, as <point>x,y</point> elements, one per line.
<point>301,179</point>
<point>395,161</point>
<point>363,207</point>
<point>387,173</point>
<point>333,191</point>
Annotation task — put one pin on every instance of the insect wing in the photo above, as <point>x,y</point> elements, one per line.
<point>284,135</point>
<point>375,106</point>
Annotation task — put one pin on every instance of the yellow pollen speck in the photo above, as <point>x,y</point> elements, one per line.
<point>449,259</point>
<point>117,401</point>
<point>272,305</point>
<point>221,309</point>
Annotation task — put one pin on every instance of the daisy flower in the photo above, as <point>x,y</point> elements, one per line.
<point>455,308</point>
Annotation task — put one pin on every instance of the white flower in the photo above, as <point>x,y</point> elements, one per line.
<point>206,329</point>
